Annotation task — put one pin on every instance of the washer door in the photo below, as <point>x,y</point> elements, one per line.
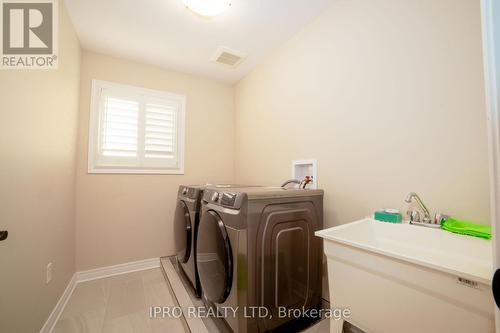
<point>214,258</point>
<point>182,230</point>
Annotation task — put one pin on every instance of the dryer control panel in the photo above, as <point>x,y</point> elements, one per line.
<point>189,192</point>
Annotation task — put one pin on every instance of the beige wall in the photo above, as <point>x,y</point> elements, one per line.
<point>387,95</point>
<point>38,129</point>
<point>121,218</point>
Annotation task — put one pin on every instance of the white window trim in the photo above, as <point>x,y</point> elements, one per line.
<point>97,85</point>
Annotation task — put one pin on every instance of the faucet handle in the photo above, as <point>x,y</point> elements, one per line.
<point>440,218</point>
<point>414,215</point>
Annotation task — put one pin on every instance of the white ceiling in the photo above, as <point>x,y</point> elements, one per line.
<point>166,34</point>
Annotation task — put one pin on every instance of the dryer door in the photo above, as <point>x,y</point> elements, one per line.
<point>182,230</point>
<point>214,257</point>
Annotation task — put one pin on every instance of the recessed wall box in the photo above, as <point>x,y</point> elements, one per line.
<point>303,168</point>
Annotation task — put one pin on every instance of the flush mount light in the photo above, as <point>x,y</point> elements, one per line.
<point>207,7</point>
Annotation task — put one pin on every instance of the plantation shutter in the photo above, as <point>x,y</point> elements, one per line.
<point>137,130</point>
<point>160,132</point>
<point>119,136</point>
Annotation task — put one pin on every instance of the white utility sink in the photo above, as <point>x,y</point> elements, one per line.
<point>405,278</point>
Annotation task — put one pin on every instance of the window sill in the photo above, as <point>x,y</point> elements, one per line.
<point>135,171</point>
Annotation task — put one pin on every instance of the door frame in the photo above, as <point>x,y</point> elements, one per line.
<point>490,21</point>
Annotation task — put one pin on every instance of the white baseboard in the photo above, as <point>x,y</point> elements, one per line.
<point>108,271</point>
<point>60,305</point>
<point>94,274</point>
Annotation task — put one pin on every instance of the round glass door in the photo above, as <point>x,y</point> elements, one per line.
<point>182,231</point>
<point>214,257</point>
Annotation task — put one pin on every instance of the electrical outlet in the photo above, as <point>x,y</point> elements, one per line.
<point>49,273</point>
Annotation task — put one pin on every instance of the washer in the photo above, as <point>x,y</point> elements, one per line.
<point>186,220</point>
<point>256,248</point>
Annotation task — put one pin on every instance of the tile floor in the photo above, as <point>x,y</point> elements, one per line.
<point>120,304</point>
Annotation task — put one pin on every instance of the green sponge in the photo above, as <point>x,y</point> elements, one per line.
<point>382,215</point>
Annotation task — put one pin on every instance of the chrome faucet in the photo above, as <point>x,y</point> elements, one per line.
<point>427,215</point>
<point>426,221</point>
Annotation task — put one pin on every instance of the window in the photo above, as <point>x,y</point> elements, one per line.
<point>135,130</point>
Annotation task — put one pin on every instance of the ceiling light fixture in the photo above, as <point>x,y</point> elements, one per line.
<point>207,7</point>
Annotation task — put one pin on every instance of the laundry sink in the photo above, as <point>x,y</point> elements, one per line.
<point>406,278</point>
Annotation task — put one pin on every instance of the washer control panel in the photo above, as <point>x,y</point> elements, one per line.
<point>227,199</point>
<point>215,196</point>
<point>222,198</point>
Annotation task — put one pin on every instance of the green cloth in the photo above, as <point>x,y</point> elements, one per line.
<point>467,228</point>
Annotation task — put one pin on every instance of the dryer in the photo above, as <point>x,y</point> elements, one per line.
<point>256,248</point>
<point>186,221</point>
